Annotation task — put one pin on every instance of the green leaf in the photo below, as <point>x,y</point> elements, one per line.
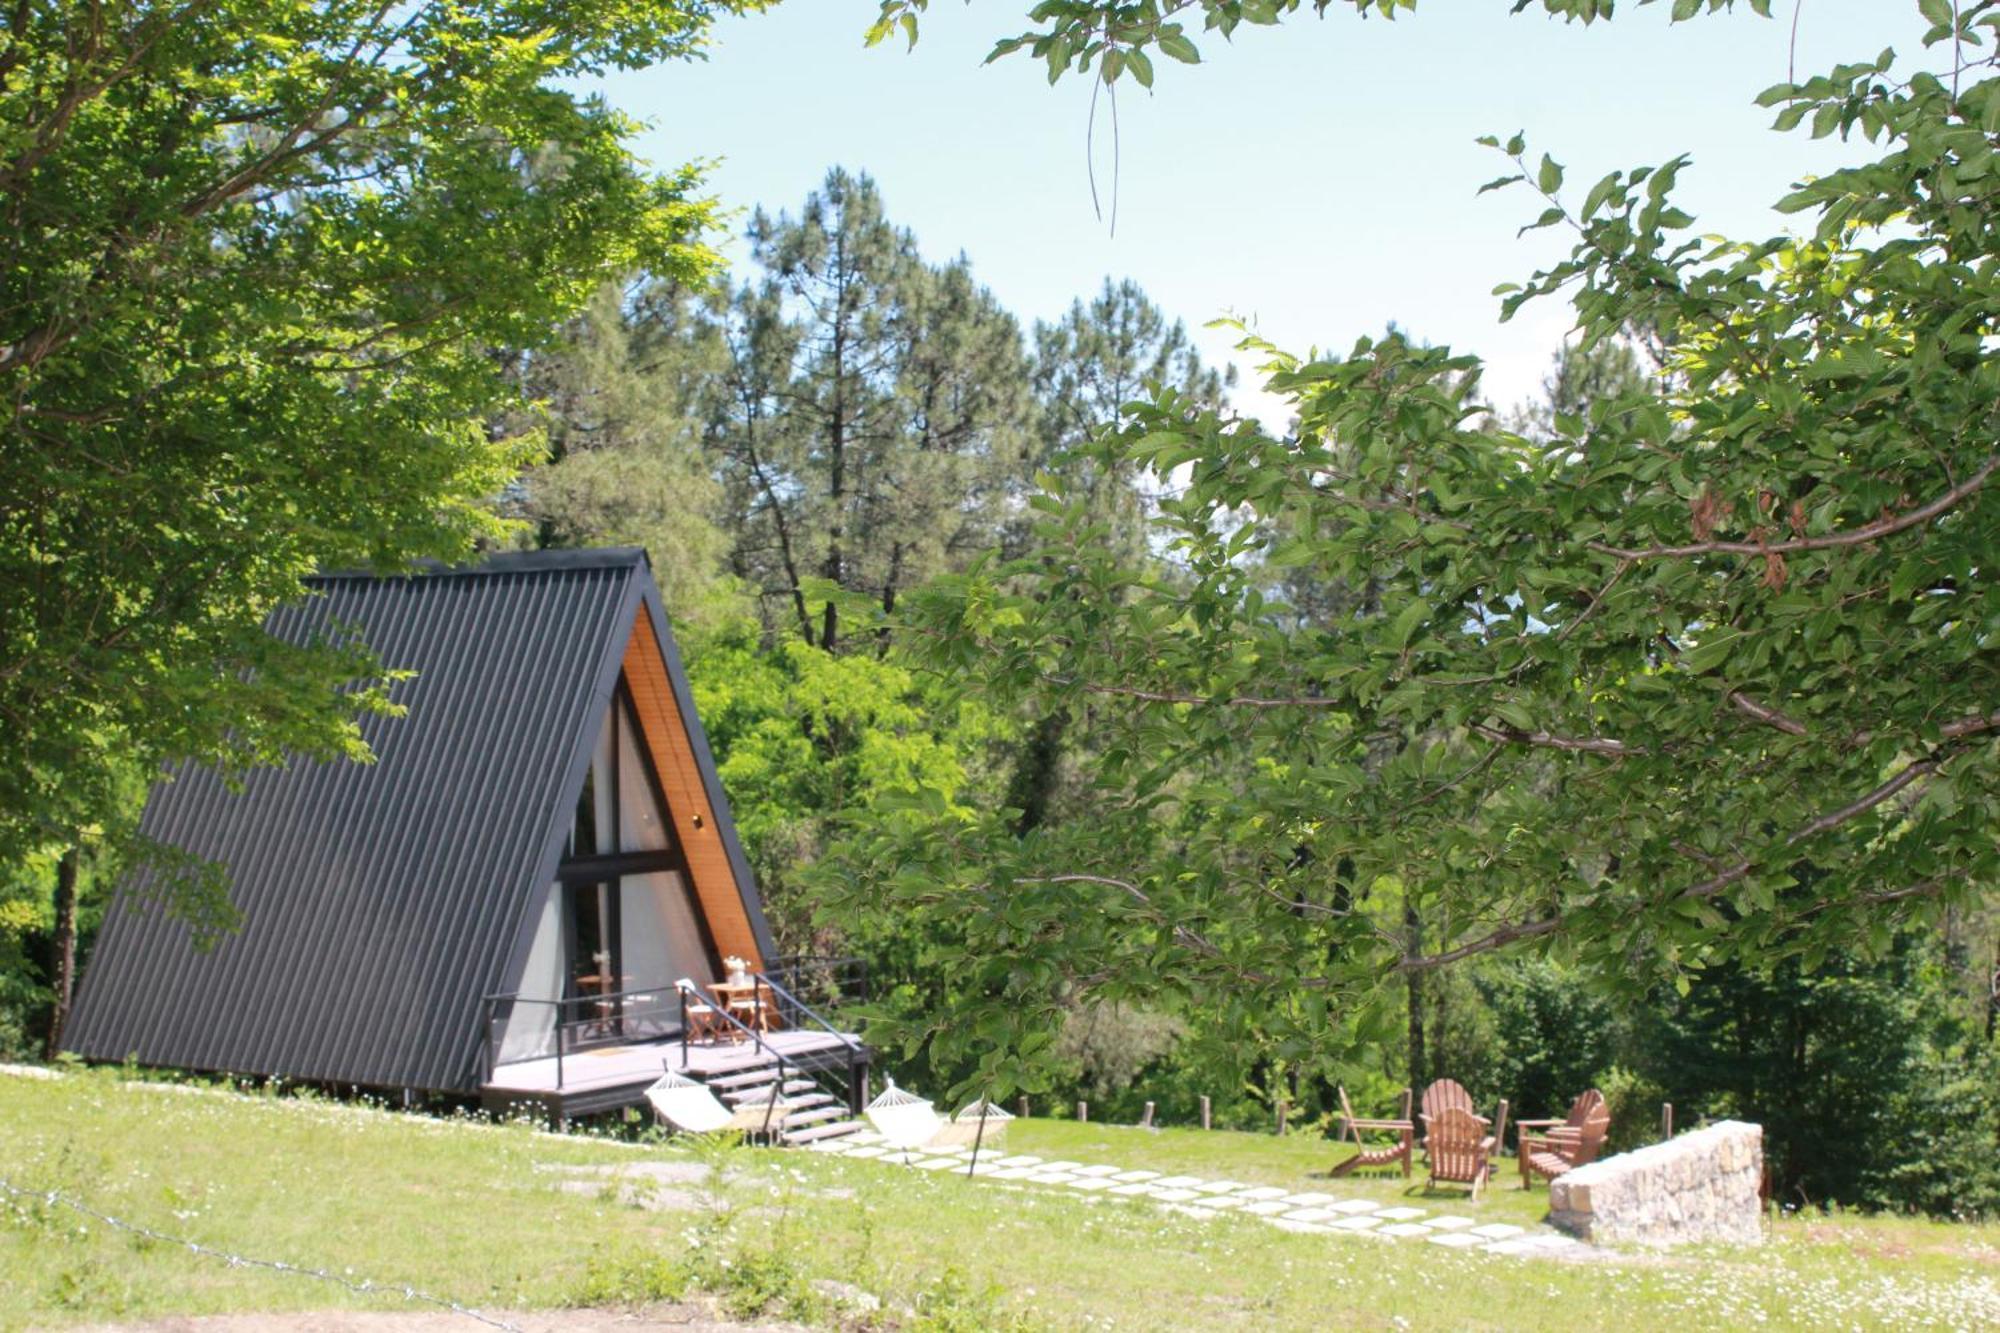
<point>1406,623</point>
<point>1550,178</point>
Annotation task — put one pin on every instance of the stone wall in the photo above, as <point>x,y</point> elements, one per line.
<point>1701,1186</point>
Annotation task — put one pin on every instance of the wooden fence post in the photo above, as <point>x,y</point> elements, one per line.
<point>1666,1120</point>
<point>1146,1120</point>
<point>1281,1119</point>
<point>1083,1113</point>
<point>1204,1112</point>
<point>1022,1104</point>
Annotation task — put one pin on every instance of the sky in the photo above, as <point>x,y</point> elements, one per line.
<point>1318,179</point>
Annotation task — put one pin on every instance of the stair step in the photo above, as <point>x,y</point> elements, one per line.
<point>831,1129</point>
<point>762,1091</point>
<point>749,1078</point>
<point>815,1115</point>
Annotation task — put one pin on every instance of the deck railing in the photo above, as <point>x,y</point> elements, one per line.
<point>828,981</point>
<point>644,1013</point>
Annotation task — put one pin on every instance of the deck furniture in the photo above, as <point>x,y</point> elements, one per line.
<point>1400,1149</point>
<point>750,1003</point>
<point>704,1020</point>
<point>1459,1147</point>
<point>1548,1148</point>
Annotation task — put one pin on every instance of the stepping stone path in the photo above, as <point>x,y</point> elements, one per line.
<point>1191,1196</point>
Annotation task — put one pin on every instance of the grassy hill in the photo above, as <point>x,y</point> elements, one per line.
<point>509,1219</point>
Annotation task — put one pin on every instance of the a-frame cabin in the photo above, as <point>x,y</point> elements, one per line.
<point>517,902</point>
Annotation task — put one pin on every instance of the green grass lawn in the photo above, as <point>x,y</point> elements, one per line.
<point>505,1218</point>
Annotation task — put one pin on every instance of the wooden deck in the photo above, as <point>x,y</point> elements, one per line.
<point>605,1078</point>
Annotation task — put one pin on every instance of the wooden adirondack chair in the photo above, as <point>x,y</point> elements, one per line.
<point>1444,1092</point>
<point>1547,1148</point>
<point>1459,1147</point>
<point>1440,1096</point>
<point>1365,1154</point>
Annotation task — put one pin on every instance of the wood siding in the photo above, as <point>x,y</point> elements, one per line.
<point>694,822</point>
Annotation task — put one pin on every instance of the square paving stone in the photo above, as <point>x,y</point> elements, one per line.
<point>1401,1229</point>
<point>1288,1224</point>
<point>1311,1215</point>
<point>1097,1171</point>
<point>1448,1223</point>
<point>1052,1177</point>
<point>1213,1203</point>
<point>1088,1183</point>
<point>1309,1200</point>
<point>1014,1173</point>
<point>1131,1177</point>
<point>865,1150</point>
<point>1353,1223</point>
<point>1459,1240</point>
<point>937,1164</point>
<point>1174,1196</point>
<point>1497,1231</point>
<point>1264,1192</point>
<point>1267,1208</point>
<point>1177,1182</point>
<point>1401,1214</point>
<point>1020,1161</point>
<point>1218,1186</point>
<point>1514,1247</point>
<point>1062,1166</point>
<point>1132,1187</point>
<point>1354,1206</point>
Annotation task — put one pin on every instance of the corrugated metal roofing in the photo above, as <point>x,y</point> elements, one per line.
<point>382,902</point>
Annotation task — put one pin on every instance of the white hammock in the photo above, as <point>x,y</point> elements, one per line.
<point>964,1127</point>
<point>688,1105</point>
<point>902,1119</point>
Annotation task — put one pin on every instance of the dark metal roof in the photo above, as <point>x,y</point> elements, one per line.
<point>382,902</point>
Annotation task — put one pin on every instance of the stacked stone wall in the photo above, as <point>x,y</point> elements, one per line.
<point>1701,1186</point>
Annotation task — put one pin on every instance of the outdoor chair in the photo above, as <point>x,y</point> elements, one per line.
<point>1443,1094</point>
<point>1548,1148</point>
<point>1459,1147</point>
<point>1400,1149</point>
<point>704,1020</point>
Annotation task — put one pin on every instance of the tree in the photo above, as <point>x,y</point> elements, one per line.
<point>1098,357</point>
<point>1087,366</point>
<point>624,395</point>
<point>257,255</point>
<point>1705,676</point>
<point>877,409</point>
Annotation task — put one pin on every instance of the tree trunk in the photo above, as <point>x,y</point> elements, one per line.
<point>1414,942</point>
<point>1036,772</point>
<point>62,966</point>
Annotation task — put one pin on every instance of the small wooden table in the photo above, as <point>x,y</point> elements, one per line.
<point>750,1003</point>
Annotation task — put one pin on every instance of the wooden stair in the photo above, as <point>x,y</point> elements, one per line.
<point>806,1113</point>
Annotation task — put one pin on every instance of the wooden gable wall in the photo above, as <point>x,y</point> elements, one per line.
<point>688,807</point>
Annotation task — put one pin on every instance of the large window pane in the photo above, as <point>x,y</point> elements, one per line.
<point>642,825</point>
